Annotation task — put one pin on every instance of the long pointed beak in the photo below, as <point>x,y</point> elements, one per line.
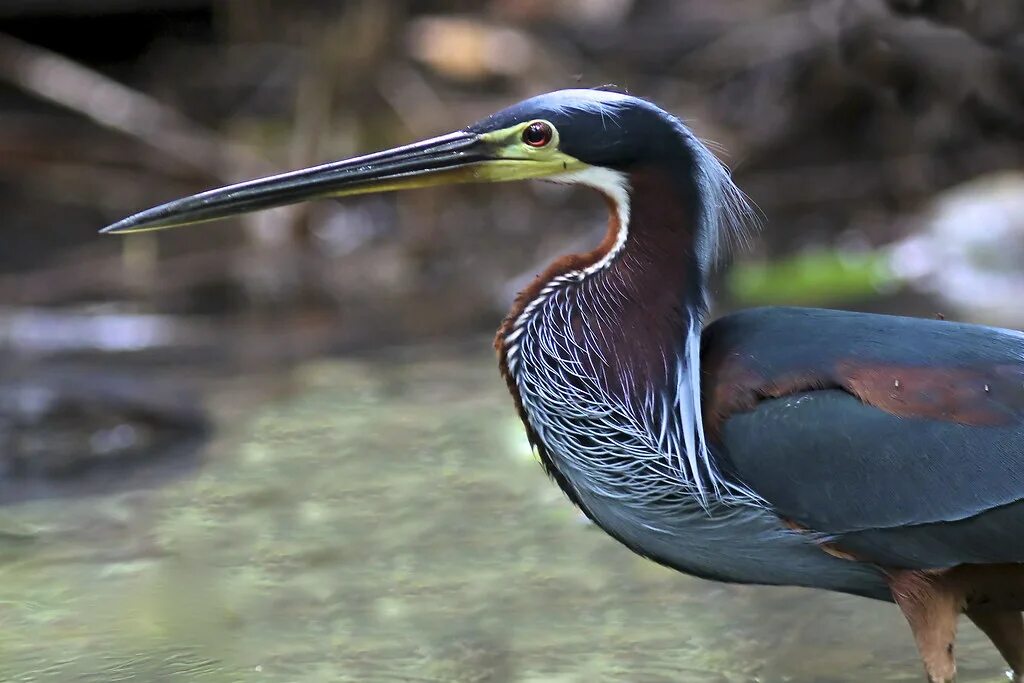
<point>447,159</point>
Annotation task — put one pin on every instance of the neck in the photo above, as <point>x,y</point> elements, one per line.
<point>642,289</point>
<point>616,330</point>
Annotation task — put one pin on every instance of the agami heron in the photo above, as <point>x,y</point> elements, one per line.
<point>873,455</point>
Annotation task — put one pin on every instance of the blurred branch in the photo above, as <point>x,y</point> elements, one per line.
<point>35,8</point>
<point>117,107</point>
<point>62,81</point>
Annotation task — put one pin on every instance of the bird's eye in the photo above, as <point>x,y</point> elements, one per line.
<point>537,134</point>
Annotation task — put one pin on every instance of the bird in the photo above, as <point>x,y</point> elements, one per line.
<point>873,455</point>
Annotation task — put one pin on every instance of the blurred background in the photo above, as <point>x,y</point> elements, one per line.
<point>279,449</point>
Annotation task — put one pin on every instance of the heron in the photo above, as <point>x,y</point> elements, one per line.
<point>873,455</point>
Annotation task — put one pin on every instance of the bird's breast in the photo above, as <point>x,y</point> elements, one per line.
<point>617,448</point>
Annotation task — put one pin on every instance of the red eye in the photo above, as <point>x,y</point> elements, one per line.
<point>537,134</point>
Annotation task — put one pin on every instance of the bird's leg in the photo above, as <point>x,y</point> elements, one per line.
<point>1006,631</point>
<point>933,623</point>
<point>931,608</point>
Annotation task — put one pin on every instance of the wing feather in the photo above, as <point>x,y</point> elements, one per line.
<point>808,411</point>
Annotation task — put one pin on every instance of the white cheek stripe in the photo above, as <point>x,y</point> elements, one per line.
<point>553,408</point>
<point>613,184</point>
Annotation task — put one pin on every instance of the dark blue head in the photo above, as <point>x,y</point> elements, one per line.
<point>598,127</point>
<point>600,138</point>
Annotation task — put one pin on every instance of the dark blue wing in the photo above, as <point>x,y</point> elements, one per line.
<point>901,439</point>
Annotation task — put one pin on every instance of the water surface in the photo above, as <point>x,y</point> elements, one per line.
<point>384,520</point>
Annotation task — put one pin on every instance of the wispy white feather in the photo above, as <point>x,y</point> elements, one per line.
<point>648,455</point>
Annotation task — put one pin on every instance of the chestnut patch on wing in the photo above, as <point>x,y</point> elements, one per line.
<point>824,545</point>
<point>970,396</point>
<point>731,386</point>
<point>977,396</point>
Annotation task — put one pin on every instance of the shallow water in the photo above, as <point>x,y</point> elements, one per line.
<point>385,521</point>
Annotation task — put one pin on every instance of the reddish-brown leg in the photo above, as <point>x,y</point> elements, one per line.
<point>1006,631</point>
<point>931,608</point>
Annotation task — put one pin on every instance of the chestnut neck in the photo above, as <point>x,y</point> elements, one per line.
<point>650,294</point>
